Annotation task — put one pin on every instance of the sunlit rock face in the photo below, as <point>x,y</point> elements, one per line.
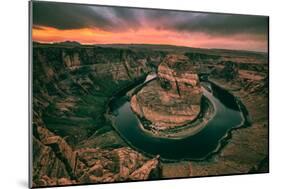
<point>177,75</point>
<point>174,98</point>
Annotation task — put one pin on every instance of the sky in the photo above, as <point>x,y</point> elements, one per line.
<point>88,24</point>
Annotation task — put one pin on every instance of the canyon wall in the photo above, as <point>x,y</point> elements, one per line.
<point>71,89</point>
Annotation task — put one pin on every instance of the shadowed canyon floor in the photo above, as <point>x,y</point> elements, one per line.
<point>74,141</point>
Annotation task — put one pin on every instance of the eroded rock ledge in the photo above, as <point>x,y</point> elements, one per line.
<point>174,99</point>
<point>59,164</point>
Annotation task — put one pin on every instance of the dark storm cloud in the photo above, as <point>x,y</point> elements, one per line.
<point>119,18</point>
<point>213,24</point>
<point>223,24</point>
<point>69,16</point>
<point>66,16</point>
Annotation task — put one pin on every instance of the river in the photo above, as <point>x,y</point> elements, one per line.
<point>227,116</point>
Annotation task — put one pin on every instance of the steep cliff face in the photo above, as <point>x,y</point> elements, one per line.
<point>71,85</point>
<point>174,98</point>
<point>71,60</point>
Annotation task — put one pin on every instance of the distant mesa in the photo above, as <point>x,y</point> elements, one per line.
<point>63,43</point>
<point>68,43</point>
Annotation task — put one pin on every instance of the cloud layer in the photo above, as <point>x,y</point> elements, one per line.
<point>119,20</point>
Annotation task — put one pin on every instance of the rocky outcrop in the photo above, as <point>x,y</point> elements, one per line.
<point>71,60</point>
<point>47,181</point>
<point>173,99</point>
<point>46,165</point>
<point>121,164</point>
<point>56,163</point>
<point>147,170</point>
<point>177,75</point>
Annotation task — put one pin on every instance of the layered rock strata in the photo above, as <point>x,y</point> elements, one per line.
<point>174,98</point>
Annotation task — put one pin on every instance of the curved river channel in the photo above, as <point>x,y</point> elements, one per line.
<point>229,114</point>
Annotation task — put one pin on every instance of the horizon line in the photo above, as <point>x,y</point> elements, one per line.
<point>97,44</point>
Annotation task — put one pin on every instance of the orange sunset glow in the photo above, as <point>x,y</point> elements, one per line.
<point>104,25</point>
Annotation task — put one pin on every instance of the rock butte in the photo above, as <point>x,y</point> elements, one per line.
<point>174,98</point>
